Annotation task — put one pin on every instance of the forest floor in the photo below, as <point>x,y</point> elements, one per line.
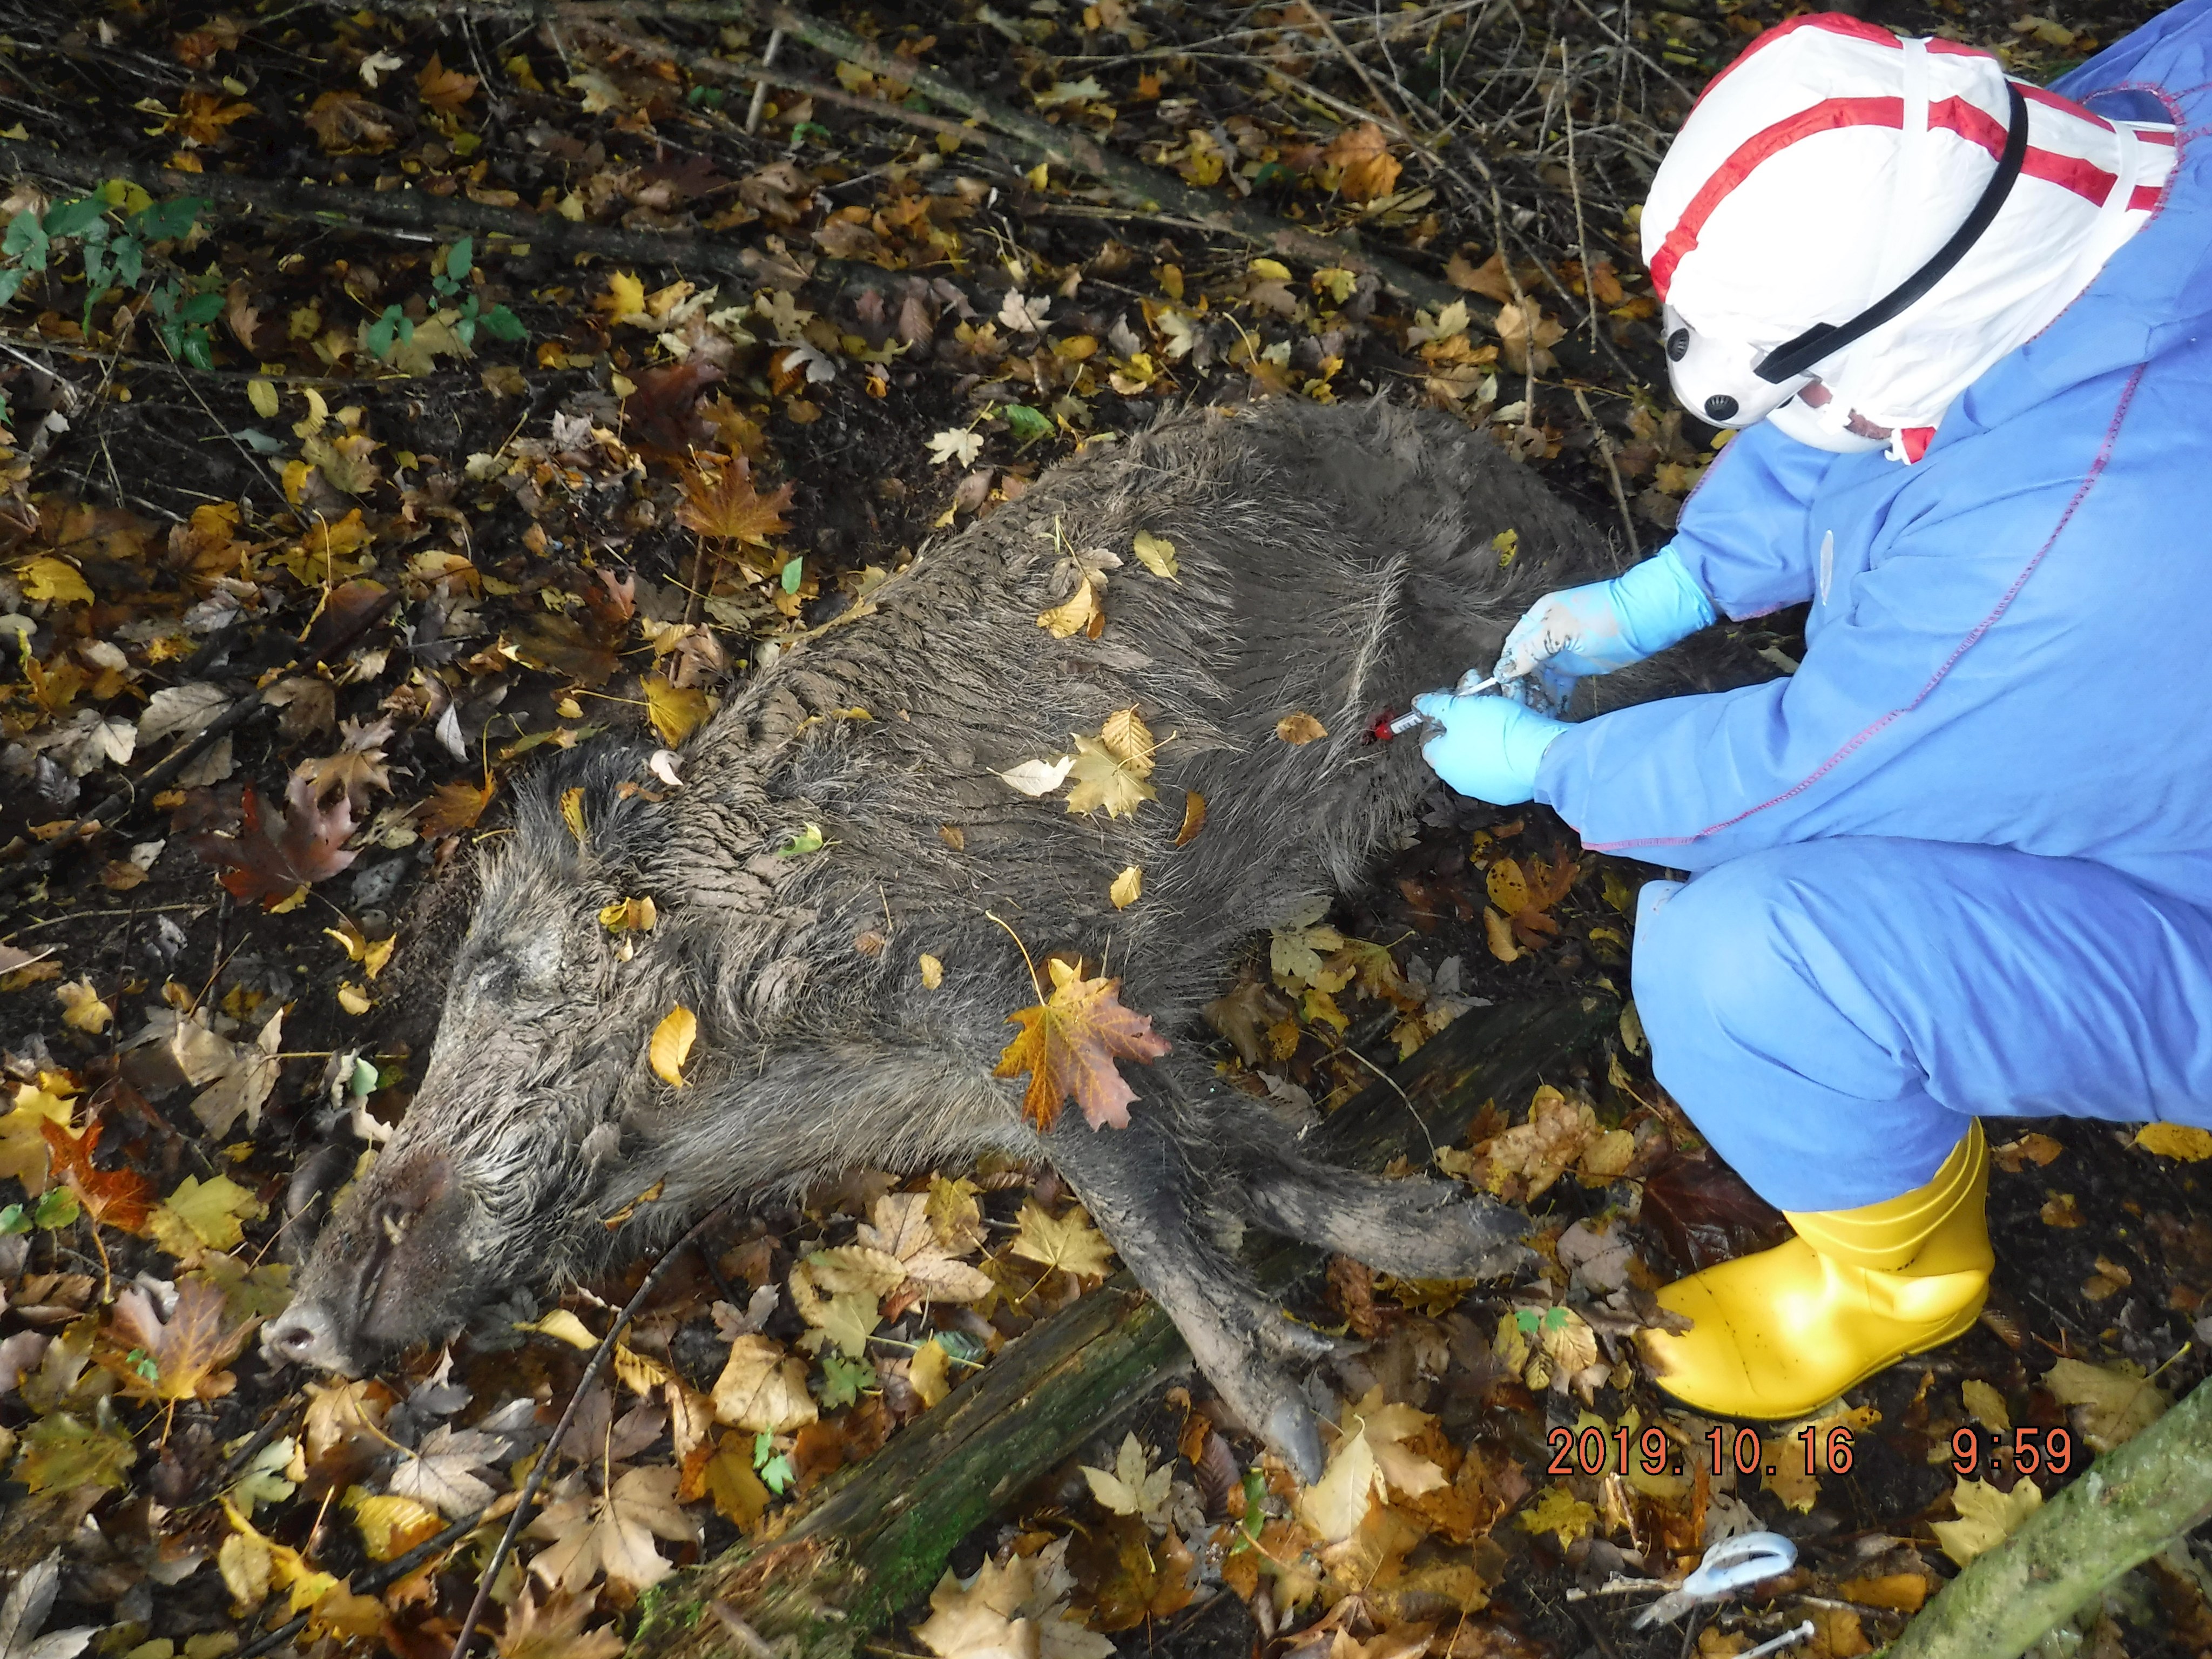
<point>391,395</point>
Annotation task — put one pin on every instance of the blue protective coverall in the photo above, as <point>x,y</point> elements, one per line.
<point>1961,862</point>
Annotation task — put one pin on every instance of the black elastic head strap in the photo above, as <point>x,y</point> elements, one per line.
<point>1794,357</point>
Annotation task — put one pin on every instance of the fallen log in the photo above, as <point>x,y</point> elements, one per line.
<point>2125,1507</point>
<point>876,1538</point>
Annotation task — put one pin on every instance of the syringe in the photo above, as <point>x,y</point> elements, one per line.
<point>1406,722</point>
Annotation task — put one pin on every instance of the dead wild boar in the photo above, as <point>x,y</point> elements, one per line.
<point>1334,562</point>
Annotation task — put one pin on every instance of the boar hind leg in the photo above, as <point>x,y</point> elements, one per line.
<point>1138,1186</point>
<point>1415,1228</point>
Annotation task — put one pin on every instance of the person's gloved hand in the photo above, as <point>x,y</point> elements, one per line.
<point>1602,626</point>
<point>1489,747</point>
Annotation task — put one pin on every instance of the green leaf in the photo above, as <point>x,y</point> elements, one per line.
<point>1027,424</point>
<point>197,349</point>
<point>165,219</point>
<point>843,1379</point>
<point>11,282</point>
<point>14,1220</point>
<point>808,840</point>
<point>794,573</point>
<point>25,241</point>
<point>458,257</point>
<point>130,259</point>
<point>57,1209</point>
<point>201,308</point>
<point>505,325</point>
<point>74,218</point>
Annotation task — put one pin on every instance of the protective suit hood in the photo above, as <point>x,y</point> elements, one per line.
<point>1829,164</point>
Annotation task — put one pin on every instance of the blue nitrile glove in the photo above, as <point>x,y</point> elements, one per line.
<point>1602,626</point>
<point>1489,747</point>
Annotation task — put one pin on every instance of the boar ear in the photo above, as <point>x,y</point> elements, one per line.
<point>599,801</point>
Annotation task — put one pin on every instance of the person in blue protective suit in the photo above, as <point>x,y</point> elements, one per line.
<point>1959,864</point>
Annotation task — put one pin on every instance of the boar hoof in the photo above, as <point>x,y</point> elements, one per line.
<point>1296,1437</point>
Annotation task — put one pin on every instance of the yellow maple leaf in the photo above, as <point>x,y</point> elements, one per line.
<point>2116,1402</point>
<point>1109,777</point>
<point>180,1358</point>
<point>624,299</point>
<point>1068,1243</point>
<point>204,1214</point>
<point>675,711</point>
<point>1558,1511</point>
<point>722,505</point>
<point>671,1045</point>
<point>1068,1045</point>
<point>1986,1517</point>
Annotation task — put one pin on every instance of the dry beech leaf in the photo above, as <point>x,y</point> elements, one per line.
<point>1299,729</point>
<point>671,1045</point>
<point>1156,554</point>
<point>1194,818</point>
<point>1068,1045</point>
<point>2182,1140</point>
<point>1128,887</point>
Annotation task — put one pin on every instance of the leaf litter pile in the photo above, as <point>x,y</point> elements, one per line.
<point>391,395</point>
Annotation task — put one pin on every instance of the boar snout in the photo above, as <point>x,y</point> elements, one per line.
<point>391,1270</point>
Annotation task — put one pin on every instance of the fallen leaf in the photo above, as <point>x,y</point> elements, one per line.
<point>1299,729</point>
<point>1068,1045</point>
<point>1986,1405</point>
<point>671,1045</point>
<point>1128,887</point>
<point>271,863</point>
<point>1131,1487</point>
<point>443,1475</point>
<point>23,1615</point>
<point>1986,1517</point>
<point>1900,1592</point>
<point>81,1008</point>
<point>1156,554</point>
<point>933,971</point>
<point>61,1451</point>
<point>902,1231</point>
<point>762,1389</point>
<point>180,1358</point>
<point>554,1629</point>
<point>1069,1242</point>
<point>204,1214</point>
<point>1194,818</point>
<point>722,504</point>
<point>2116,1402</point>
<point>113,1198</point>
<point>1558,1511</point>
<point>2182,1140</point>
<point>2040,1149</point>
<point>244,1076</point>
<point>612,1534</point>
<point>1036,777</point>
<point>1369,170</point>
<point>675,711</point>
<point>50,581</point>
<point>1111,769</point>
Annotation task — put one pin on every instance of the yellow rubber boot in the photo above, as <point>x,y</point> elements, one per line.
<point>1778,1334</point>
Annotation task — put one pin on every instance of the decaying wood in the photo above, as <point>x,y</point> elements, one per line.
<point>877,1537</point>
<point>2125,1507</point>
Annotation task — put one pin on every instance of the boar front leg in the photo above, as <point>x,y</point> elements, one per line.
<point>1139,1187</point>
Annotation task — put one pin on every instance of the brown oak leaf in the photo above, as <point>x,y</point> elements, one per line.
<point>1068,1045</point>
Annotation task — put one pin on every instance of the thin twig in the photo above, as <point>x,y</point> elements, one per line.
<point>1612,472</point>
<point>760,83</point>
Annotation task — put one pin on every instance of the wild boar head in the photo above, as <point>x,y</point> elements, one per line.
<point>510,1160</point>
